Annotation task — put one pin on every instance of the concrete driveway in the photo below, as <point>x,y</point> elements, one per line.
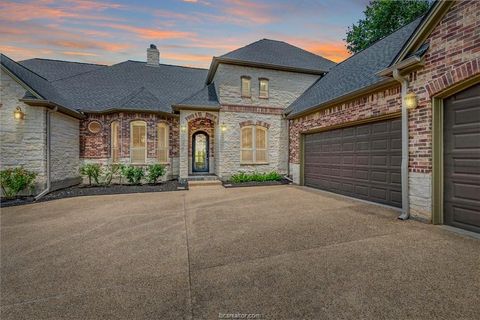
<point>274,252</point>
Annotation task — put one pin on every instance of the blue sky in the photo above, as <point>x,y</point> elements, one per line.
<point>187,32</point>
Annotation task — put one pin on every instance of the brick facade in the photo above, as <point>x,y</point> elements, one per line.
<point>202,124</point>
<point>97,145</point>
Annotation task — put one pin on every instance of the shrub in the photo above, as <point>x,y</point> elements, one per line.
<point>92,171</point>
<point>110,172</point>
<point>155,171</point>
<point>256,176</point>
<point>14,180</point>
<point>133,174</point>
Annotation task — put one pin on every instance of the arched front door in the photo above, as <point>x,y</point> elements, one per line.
<point>200,152</point>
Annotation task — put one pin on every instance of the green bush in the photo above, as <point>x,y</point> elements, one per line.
<point>256,176</point>
<point>155,171</point>
<point>133,174</point>
<point>92,171</point>
<point>14,180</point>
<point>110,172</point>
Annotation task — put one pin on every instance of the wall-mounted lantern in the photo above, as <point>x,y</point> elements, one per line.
<point>183,128</point>
<point>18,114</point>
<point>223,127</point>
<point>411,101</point>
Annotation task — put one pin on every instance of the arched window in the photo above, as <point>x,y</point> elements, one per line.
<point>138,142</point>
<point>114,143</point>
<point>253,145</point>
<point>162,142</point>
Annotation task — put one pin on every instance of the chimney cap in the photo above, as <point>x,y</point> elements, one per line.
<point>152,46</point>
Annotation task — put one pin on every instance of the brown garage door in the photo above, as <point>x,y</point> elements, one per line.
<point>462,159</point>
<point>361,161</point>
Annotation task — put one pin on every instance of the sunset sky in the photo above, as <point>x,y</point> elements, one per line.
<point>187,32</point>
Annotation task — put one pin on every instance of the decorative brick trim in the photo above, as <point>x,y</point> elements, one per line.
<point>252,109</point>
<point>459,74</point>
<point>251,123</point>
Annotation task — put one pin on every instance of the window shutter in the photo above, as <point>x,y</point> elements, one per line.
<point>247,145</point>
<point>162,138</point>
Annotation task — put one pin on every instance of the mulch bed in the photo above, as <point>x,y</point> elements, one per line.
<point>82,190</point>
<point>230,184</point>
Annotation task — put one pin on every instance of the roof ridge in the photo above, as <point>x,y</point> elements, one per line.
<point>133,94</point>
<point>59,60</point>
<point>165,64</point>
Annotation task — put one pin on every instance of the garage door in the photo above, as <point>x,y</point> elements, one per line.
<point>462,159</point>
<point>360,161</point>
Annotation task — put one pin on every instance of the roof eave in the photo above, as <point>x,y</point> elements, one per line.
<point>388,82</point>
<point>115,110</point>
<point>51,105</point>
<point>21,82</point>
<point>405,66</point>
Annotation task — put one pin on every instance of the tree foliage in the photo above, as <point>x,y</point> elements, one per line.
<point>382,17</point>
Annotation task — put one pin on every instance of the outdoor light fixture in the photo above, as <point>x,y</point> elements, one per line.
<point>183,128</point>
<point>18,114</point>
<point>223,127</point>
<point>411,101</point>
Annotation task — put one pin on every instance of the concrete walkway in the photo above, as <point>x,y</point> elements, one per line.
<point>279,252</point>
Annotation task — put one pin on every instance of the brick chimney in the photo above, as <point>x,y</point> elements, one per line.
<point>153,56</point>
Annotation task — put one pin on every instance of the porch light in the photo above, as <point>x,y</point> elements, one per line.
<point>223,127</point>
<point>18,114</point>
<point>183,128</point>
<point>411,101</point>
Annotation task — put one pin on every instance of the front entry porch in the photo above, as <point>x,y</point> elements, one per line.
<point>198,145</point>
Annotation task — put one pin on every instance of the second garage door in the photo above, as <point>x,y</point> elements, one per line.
<point>361,161</point>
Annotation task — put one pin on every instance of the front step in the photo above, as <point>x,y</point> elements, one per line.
<point>203,180</point>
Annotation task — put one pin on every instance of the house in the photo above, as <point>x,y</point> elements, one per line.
<point>397,123</point>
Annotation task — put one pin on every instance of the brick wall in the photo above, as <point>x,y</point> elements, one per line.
<point>97,145</point>
<point>202,124</point>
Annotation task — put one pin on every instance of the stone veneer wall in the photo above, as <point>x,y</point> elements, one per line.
<point>22,142</point>
<point>96,147</point>
<point>284,87</point>
<point>453,56</point>
<point>64,146</point>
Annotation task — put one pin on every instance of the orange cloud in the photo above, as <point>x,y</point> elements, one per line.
<point>78,53</point>
<point>149,33</point>
<point>335,51</point>
<point>186,57</point>
<point>244,10</point>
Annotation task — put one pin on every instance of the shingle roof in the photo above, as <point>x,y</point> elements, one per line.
<point>206,97</point>
<point>57,69</point>
<point>279,53</point>
<point>355,73</point>
<point>131,84</point>
<point>34,81</point>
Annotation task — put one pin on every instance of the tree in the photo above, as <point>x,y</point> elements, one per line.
<point>382,17</point>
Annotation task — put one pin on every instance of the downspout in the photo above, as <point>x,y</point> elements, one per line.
<point>288,147</point>
<point>48,149</point>
<point>404,168</point>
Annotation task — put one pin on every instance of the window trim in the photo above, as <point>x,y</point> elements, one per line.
<point>254,145</point>
<point>249,86</point>
<point>132,124</point>
<point>112,135</point>
<point>267,92</point>
<point>167,142</point>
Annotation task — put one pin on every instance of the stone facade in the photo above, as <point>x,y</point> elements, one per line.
<point>64,156</point>
<point>22,142</point>
<point>284,87</point>
<point>452,57</point>
<point>96,147</point>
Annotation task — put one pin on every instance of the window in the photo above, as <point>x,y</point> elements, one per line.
<point>162,142</point>
<point>138,142</point>
<point>246,88</point>
<point>263,88</point>
<point>94,126</point>
<point>115,152</point>
<point>253,145</point>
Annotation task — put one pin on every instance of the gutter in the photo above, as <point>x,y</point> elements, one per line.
<point>404,168</point>
<point>48,147</point>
